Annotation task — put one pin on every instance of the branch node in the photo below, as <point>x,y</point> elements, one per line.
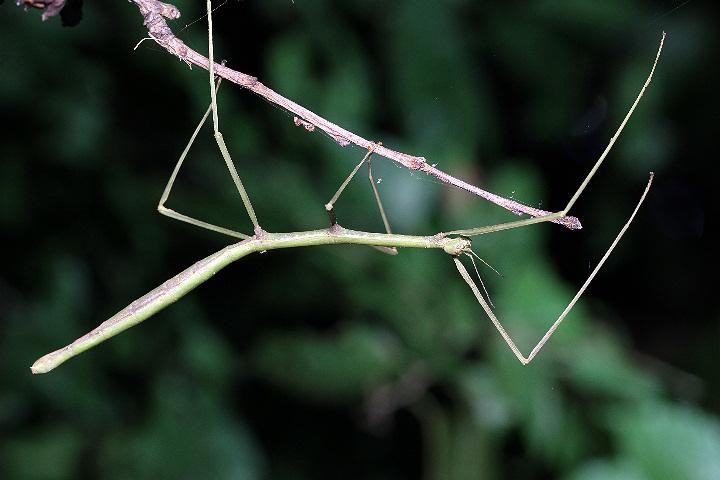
<point>260,234</point>
<point>300,122</point>
<point>340,140</point>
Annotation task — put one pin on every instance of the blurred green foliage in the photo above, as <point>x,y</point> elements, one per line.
<point>341,362</point>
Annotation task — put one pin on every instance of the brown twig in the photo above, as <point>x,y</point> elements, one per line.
<point>50,8</point>
<point>155,14</point>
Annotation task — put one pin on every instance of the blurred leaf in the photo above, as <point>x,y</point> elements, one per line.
<point>346,91</point>
<point>599,367</point>
<point>187,435</point>
<point>482,393</point>
<point>456,449</point>
<point>581,15</point>
<point>328,368</point>
<point>290,70</point>
<point>206,353</point>
<point>668,441</point>
<point>50,453</point>
<point>436,90</point>
<point>608,470</point>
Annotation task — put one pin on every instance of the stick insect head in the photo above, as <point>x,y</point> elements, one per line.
<point>455,246</point>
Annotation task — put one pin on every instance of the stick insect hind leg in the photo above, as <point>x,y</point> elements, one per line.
<point>329,207</point>
<point>522,223</point>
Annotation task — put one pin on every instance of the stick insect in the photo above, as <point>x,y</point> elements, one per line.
<point>456,242</point>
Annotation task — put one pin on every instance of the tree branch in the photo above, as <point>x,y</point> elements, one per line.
<point>155,14</point>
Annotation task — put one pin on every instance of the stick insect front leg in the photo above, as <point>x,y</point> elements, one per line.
<point>554,216</point>
<point>218,135</point>
<point>484,304</point>
<point>224,152</point>
<point>521,223</point>
<point>168,188</point>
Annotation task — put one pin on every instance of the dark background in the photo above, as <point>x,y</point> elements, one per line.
<point>341,362</point>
